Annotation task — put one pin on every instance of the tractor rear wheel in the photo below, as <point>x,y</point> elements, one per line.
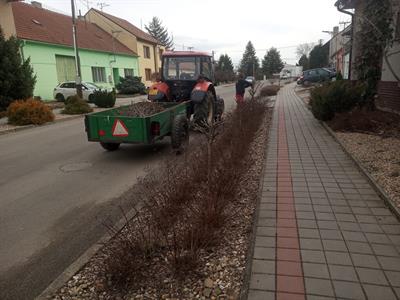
<point>180,133</point>
<point>204,111</point>
<point>110,146</point>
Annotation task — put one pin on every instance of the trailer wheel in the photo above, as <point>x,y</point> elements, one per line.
<point>204,111</point>
<point>110,146</point>
<point>180,133</point>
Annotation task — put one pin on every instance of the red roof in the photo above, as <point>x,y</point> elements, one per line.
<point>140,34</point>
<point>42,25</point>
<point>186,53</point>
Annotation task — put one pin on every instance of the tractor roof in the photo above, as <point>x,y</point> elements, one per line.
<point>185,53</point>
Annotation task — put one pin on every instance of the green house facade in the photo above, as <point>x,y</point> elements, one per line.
<point>54,64</point>
<point>47,41</point>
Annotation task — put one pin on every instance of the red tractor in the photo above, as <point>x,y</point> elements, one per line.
<point>189,75</point>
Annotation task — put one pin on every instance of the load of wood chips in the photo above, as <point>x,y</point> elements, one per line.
<point>141,109</point>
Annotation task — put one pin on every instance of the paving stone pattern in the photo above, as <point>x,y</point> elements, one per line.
<point>322,231</point>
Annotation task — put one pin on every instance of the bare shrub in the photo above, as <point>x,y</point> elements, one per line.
<point>269,90</point>
<point>188,200</point>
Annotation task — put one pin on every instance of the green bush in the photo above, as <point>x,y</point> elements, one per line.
<point>76,106</point>
<point>25,112</point>
<point>131,85</point>
<point>334,97</point>
<point>104,99</point>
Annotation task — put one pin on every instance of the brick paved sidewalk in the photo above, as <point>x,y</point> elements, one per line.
<point>322,231</point>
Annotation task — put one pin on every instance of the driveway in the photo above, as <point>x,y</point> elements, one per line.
<point>56,191</point>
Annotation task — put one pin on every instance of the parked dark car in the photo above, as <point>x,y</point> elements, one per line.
<point>315,76</point>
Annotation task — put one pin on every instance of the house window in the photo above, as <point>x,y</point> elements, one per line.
<point>146,52</point>
<point>148,74</point>
<point>65,66</point>
<point>99,74</point>
<point>128,72</point>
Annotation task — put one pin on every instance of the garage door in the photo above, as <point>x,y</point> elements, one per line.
<point>65,68</point>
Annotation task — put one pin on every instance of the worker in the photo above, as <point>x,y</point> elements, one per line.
<point>241,86</point>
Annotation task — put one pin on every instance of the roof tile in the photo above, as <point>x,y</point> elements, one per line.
<point>38,24</point>
<point>140,34</point>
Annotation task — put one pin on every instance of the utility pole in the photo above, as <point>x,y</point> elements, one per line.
<point>78,79</point>
<point>102,5</point>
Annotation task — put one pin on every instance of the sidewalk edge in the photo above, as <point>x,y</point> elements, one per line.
<point>382,194</point>
<point>244,291</point>
<point>21,128</point>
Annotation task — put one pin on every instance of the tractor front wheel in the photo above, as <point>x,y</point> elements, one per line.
<point>204,111</point>
<point>180,133</point>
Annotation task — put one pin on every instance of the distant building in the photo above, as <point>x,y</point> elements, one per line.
<point>389,86</point>
<point>339,50</point>
<point>147,47</point>
<point>291,71</point>
<point>47,40</point>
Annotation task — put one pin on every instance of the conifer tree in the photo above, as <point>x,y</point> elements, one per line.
<point>17,80</point>
<point>250,64</point>
<point>272,62</point>
<point>156,29</point>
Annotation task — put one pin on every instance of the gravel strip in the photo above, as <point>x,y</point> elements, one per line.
<point>380,156</point>
<point>219,273</point>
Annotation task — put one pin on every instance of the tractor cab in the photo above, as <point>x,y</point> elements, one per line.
<point>181,72</point>
<point>187,75</point>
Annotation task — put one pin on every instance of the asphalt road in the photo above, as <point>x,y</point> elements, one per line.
<point>56,192</point>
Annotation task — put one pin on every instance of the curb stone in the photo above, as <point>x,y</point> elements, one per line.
<point>244,292</point>
<point>82,260</point>
<point>20,128</point>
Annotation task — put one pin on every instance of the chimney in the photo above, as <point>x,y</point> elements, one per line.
<point>36,4</point>
<point>80,17</point>
<point>335,30</point>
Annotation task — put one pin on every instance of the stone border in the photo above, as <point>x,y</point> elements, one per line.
<point>244,292</point>
<point>382,194</point>
<point>82,260</point>
<point>24,127</point>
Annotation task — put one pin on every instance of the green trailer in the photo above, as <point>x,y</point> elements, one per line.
<point>111,129</point>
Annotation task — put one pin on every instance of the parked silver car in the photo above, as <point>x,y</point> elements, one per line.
<point>68,89</point>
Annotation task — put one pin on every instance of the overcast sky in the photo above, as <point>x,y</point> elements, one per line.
<point>226,26</point>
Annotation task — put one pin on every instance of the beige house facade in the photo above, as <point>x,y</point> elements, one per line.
<point>148,48</point>
<point>6,18</point>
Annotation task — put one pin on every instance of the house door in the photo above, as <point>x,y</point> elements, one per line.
<point>65,66</point>
<point>116,75</point>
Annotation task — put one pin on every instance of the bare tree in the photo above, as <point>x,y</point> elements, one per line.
<point>304,49</point>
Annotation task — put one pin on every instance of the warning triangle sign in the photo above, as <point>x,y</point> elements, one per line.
<point>119,129</point>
